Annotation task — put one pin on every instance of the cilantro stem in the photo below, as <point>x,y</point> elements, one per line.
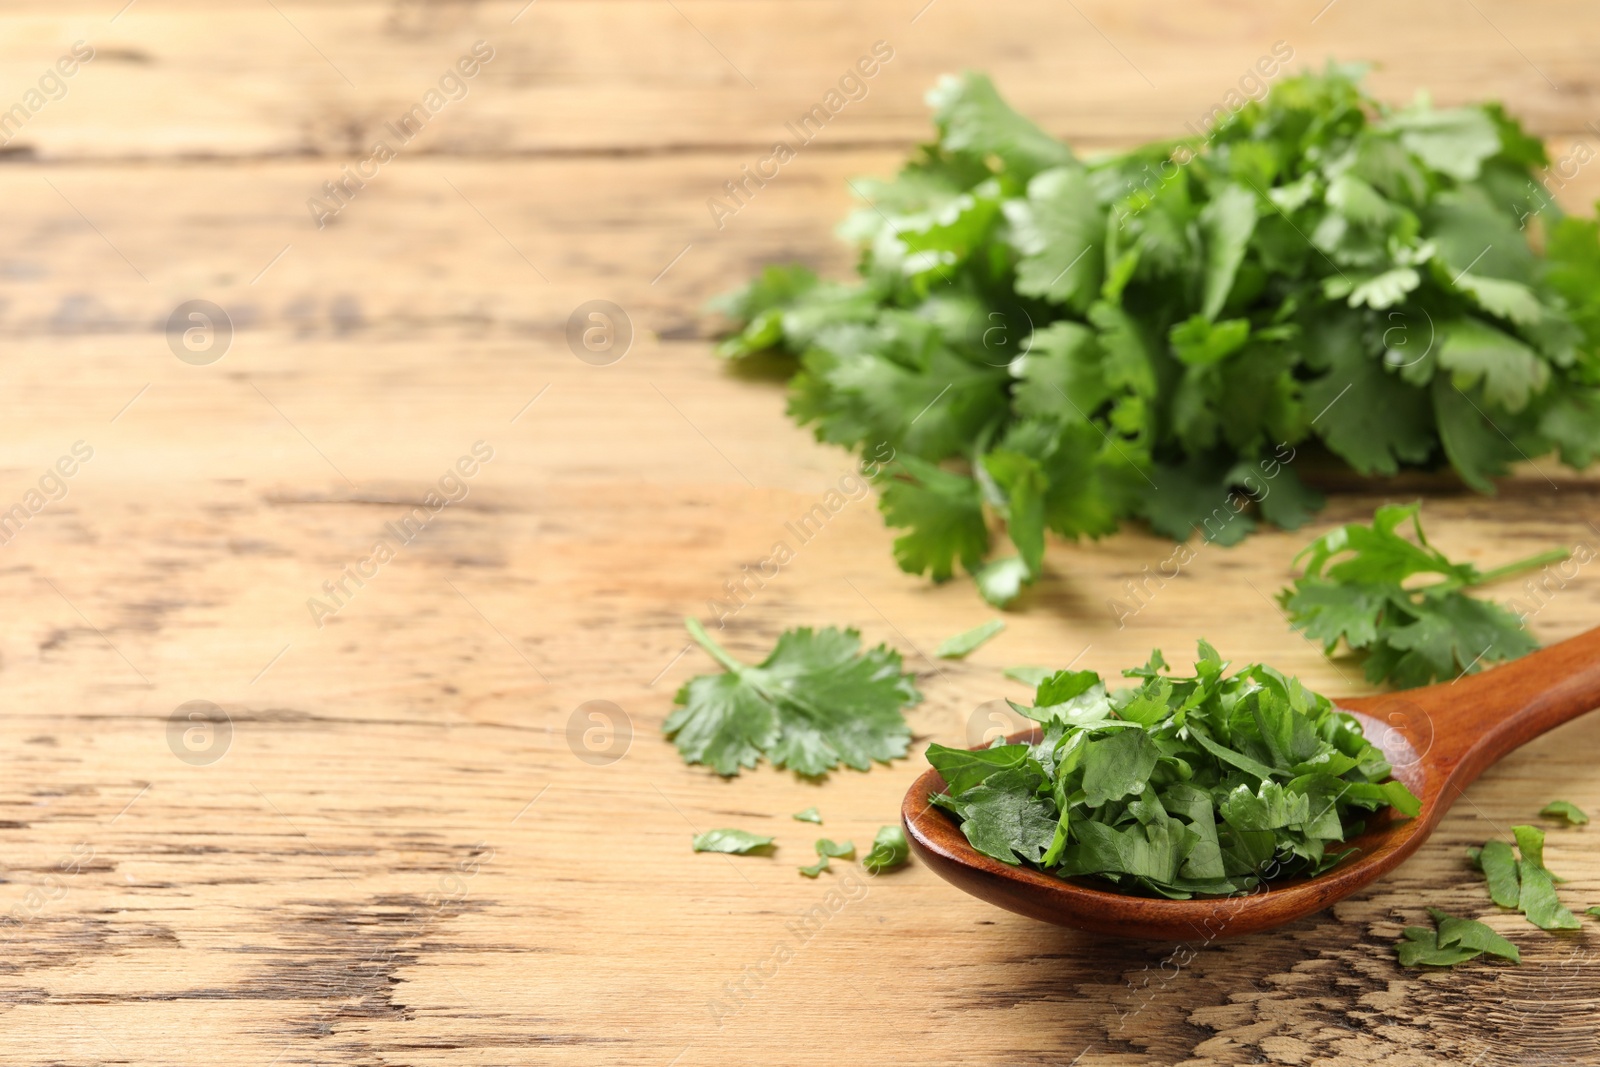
<point>1543,559</point>
<point>716,651</point>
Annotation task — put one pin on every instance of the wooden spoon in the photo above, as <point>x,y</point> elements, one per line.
<point>1438,739</point>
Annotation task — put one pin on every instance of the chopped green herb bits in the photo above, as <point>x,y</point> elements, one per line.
<point>1563,809</point>
<point>1176,787</point>
<point>963,644</point>
<point>737,842</point>
<point>889,850</point>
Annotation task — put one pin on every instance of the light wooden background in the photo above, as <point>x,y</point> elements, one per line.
<point>400,859</point>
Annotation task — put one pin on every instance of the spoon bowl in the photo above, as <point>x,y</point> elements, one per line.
<point>1437,739</point>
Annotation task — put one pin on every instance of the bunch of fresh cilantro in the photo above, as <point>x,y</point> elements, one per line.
<point>1178,787</point>
<point>1359,588</point>
<point>1063,343</point>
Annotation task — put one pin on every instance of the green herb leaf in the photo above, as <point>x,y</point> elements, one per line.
<point>738,842</point>
<point>1454,940</point>
<point>963,768</point>
<point>841,850</point>
<point>809,815</point>
<point>815,702</point>
<point>889,850</point>
<point>1356,589</point>
<point>965,643</point>
<point>1028,676</point>
<point>1563,809</point>
<point>1499,867</point>
<point>816,868</point>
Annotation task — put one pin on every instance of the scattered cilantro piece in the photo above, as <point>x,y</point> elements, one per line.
<point>1054,345</point>
<point>889,850</point>
<point>815,702</point>
<point>816,868</point>
<point>809,815</point>
<point>1564,809</point>
<point>1355,589</point>
<point>737,842</point>
<point>1177,787</point>
<point>1028,676</point>
<point>1523,882</point>
<point>1595,911</point>
<point>1499,867</point>
<point>1453,940</point>
<point>963,644</point>
<point>839,850</point>
<point>1537,896</point>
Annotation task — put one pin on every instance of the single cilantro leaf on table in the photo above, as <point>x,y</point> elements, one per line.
<point>735,842</point>
<point>1028,676</point>
<point>809,815</point>
<point>1453,940</point>
<point>1357,589</point>
<point>1180,787</point>
<point>1499,866</point>
<point>965,643</point>
<point>1565,809</point>
<point>816,868</point>
<point>839,850</point>
<point>815,702</point>
<point>889,850</point>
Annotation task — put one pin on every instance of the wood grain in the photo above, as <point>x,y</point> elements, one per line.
<point>400,858</point>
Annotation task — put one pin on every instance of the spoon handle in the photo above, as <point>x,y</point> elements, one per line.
<point>1479,718</point>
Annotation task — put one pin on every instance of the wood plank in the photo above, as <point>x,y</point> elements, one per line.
<point>261,78</point>
<point>485,248</point>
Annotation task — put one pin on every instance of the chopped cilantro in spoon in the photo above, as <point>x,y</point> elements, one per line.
<point>1177,787</point>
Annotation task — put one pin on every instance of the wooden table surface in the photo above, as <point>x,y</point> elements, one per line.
<point>410,842</point>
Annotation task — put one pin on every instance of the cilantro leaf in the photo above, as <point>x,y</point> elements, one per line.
<point>965,643</point>
<point>1355,590</point>
<point>1524,882</point>
<point>839,850</point>
<point>889,850</point>
<point>1453,940</point>
<point>943,514</point>
<point>1499,867</point>
<point>974,121</point>
<point>1469,933</point>
<point>737,842</point>
<point>1565,809</point>
<point>1059,232</point>
<point>1028,676</point>
<point>816,868</point>
<point>1002,817</point>
<point>815,702</point>
<point>809,815</point>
